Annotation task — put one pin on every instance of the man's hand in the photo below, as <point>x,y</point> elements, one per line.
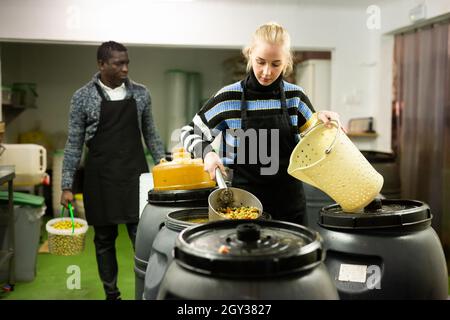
<point>66,197</point>
<point>211,162</point>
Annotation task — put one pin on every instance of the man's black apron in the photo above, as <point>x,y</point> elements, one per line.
<point>281,194</point>
<point>114,163</point>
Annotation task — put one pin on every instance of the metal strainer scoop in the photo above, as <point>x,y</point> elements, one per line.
<point>226,195</point>
<point>229,197</point>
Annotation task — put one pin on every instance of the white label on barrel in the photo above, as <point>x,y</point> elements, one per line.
<point>353,273</point>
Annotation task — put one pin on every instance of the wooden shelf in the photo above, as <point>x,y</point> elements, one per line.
<point>362,134</point>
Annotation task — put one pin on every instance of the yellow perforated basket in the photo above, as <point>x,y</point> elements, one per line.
<point>326,159</point>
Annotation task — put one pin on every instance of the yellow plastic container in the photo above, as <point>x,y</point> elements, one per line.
<point>182,173</point>
<point>326,159</point>
<point>30,161</point>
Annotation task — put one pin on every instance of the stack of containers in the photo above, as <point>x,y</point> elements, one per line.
<point>176,81</point>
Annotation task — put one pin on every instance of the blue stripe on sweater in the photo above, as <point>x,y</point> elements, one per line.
<point>231,140</point>
<point>294,120</point>
<point>229,105</point>
<point>237,87</point>
<point>292,87</point>
<point>232,87</point>
<point>304,110</point>
<point>234,123</point>
<point>253,105</point>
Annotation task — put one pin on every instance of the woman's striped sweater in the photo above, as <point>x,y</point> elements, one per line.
<point>223,112</point>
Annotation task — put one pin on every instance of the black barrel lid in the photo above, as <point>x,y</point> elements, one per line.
<point>181,219</point>
<point>248,248</point>
<point>378,157</point>
<point>381,213</point>
<point>178,196</point>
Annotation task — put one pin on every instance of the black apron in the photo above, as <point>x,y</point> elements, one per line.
<point>281,194</point>
<point>114,163</point>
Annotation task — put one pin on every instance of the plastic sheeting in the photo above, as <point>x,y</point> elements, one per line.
<point>176,104</point>
<point>194,94</point>
<point>183,100</point>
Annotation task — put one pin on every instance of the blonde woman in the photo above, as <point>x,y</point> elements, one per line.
<point>260,119</point>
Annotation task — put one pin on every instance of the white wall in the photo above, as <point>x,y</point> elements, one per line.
<point>395,14</point>
<point>362,58</point>
<point>59,70</point>
<point>162,22</point>
<point>208,24</point>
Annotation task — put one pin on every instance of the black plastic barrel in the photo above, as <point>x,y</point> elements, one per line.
<point>315,201</point>
<point>163,245</point>
<point>248,259</point>
<point>162,248</point>
<point>386,165</point>
<point>160,203</point>
<point>390,251</point>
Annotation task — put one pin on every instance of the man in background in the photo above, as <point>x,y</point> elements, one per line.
<point>109,114</point>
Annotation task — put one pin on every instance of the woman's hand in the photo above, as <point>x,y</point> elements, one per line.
<point>327,116</point>
<point>211,162</point>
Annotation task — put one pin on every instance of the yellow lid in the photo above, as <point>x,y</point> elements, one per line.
<point>182,173</point>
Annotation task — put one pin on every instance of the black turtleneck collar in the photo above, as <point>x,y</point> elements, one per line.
<point>253,84</point>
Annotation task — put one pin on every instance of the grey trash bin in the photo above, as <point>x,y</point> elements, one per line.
<point>28,212</point>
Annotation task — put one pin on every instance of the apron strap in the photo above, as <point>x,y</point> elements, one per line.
<point>244,111</point>
<point>285,108</point>
<point>100,91</point>
<point>283,97</point>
